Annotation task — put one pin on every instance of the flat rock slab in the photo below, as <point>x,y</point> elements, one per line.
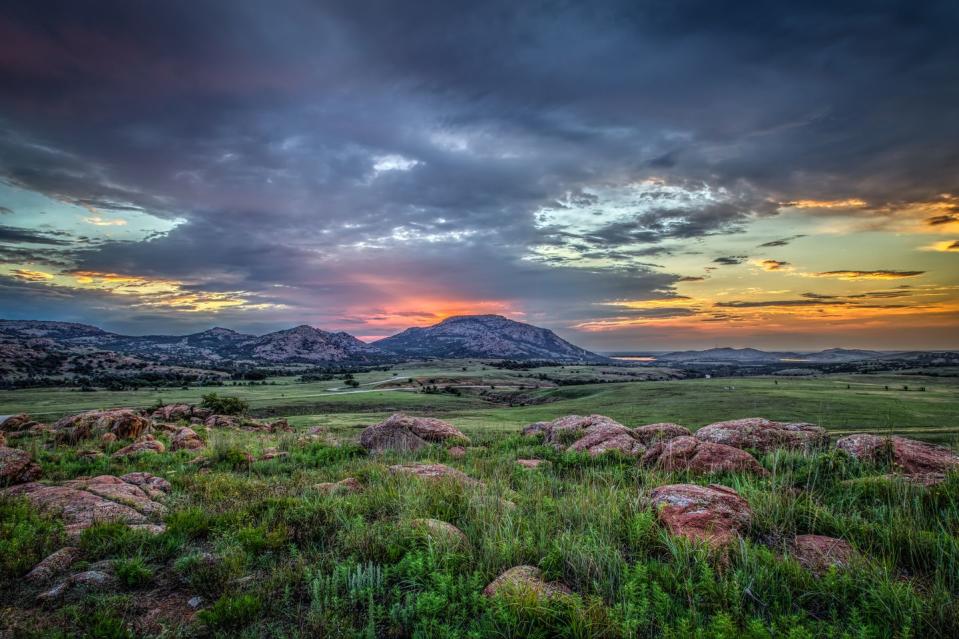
<point>130,499</point>
<point>525,579</point>
<point>818,553</point>
<point>652,433</point>
<point>912,457</point>
<point>344,486</point>
<point>122,422</point>
<point>697,456</point>
<point>17,467</point>
<point>712,514</point>
<point>404,433</point>
<point>761,434</point>
<point>434,472</point>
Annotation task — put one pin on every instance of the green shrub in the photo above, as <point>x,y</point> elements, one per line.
<point>224,405</point>
<point>132,572</point>
<point>231,612</point>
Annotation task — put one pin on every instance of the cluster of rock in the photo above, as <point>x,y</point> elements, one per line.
<point>404,433</point>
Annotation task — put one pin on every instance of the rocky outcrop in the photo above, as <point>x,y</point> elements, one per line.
<point>761,434</point>
<point>524,580</point>
<point>712,514</point>
<point>594,434</point>
<point>434,472</point>
<point>53,564</point>
<point>818,553</point>
<point>122,422</point>
<point>222,421</point>
<point>272,453</point>
<point>911,457</point>
<point>98,578</point>
<point>17,467</point>
<point>401,432</point>
<point>441,531</point>
<point>180,412</point>
<point>279,426</point>
<point>145,444</point>
<point>694,455</point>
<point>130,499</point>
<point>185,438</point>
<point>652,433</point>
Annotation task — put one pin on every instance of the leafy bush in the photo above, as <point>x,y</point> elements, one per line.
<point>224,405</point>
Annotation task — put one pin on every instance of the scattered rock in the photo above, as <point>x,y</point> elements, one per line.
<point>818,553</point>
<point>441,531</point>
<point>525,579</point>
<point>456,452</point>
<point>17,467</point>
<point>595,434</point>
<point>273,453</point>
<point>195,601</point>
<point>689,453</point>
<point>908,455</point>
<point>433,472</point>
<point>53,564</point>
<point>348,485</point>
<point>122,422</point>
<point>90,454</point>
<point>652,433</point>
<point>404,433</point>
<point>146,444</point>
<point>713,514</point>
<point>764,435</point>
<point>530,463</point>
<point>185,438</point>
<point>82,502</point>
<point>108,438</point>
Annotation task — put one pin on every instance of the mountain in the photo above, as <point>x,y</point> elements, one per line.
<point>311,345</point>
<point>485,336</point>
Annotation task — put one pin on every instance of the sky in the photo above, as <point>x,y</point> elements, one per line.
<point>636,175</point>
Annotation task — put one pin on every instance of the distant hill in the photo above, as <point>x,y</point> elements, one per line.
<point>485,336</point>
<point>752,355</point>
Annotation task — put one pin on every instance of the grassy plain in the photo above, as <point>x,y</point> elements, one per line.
<point>271,555</point>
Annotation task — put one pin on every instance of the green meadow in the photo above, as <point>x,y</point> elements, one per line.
<point>263,551</point>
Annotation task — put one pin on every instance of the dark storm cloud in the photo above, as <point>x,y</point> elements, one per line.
<point>730,260</point>
<point>308,147</point>
<point>13,234</point>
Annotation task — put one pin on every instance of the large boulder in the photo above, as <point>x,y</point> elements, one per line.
<point>652,433</point>
<point>689,453</point>
<point>185,438</point>
<point>122,422</point>
<point>15,422</point>
<point>440,531</point>
<point>17,467</point>
<point>145,444</point>
<point>818,553</point>
<point>712,514</point>
<point>911,457</point>
<point>525,580</point>
<point>222,421</point>
<point>53,564</point>
<point>594,434</point>
<point>434,472</point>
<point>761,434</point>
<point>404,433</point>
<point>130,499</point>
